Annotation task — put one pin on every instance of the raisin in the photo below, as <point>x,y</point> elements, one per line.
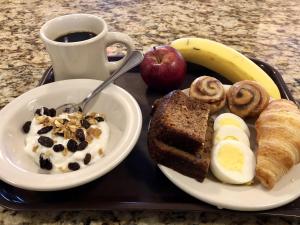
<point>60,134</point>
<point>82,145</point>
<point>46,141</point>
<point>38,112</point>
<point>80,135</point>
<point>42,111</point>
<point>52,112</point>
<point>72,145</point>
<point>74,166</point>
<point>58,148</point>
<point>26,126</point>
<point>45,163</point>
<point>99,119</point>
<point>45,111</point>
<point>87,158</point>
<point>85,123</point>
<point>44,130</point>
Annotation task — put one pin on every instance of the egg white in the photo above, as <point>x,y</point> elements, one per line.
<point>230,132</point>
<point>231,119</point>
<point>232,176</point>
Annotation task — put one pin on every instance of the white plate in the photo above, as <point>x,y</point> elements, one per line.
<point>242,198</point>
<point>235,197</point>
<point>121,112</point>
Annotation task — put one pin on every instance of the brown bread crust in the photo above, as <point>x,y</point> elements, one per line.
<point>182,121</point>
<point>189,154</point>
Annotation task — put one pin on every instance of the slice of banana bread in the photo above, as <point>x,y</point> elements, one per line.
<point>182,121</point>
<point>180,135</point>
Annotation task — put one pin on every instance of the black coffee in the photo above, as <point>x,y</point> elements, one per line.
<point>75,37</point>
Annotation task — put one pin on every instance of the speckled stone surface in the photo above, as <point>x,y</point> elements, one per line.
<point>268,30</point>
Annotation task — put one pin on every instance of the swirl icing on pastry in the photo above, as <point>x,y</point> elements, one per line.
<point>247,98</point>
<point>209,90</point>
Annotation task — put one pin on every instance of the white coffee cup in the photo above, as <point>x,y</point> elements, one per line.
<point>82,59</point>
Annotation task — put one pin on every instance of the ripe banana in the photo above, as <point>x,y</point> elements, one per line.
<point>225,61</point>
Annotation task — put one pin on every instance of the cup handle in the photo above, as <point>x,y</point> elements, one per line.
<point>117,37</point>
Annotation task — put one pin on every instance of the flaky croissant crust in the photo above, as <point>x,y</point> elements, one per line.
<point>278,130</point>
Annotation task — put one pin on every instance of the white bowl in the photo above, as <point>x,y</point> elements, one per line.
<point>121,112</point>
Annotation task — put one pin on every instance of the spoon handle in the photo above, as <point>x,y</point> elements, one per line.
<point>133,60</point>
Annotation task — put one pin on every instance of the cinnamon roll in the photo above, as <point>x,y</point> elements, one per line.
<point>247,98</point>
<point>209,90</point>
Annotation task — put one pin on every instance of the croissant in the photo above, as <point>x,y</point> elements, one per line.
<point>247,98</point>
<point>209,90</point>
<point>278,129</point>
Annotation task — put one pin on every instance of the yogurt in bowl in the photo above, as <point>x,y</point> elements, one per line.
<point>67,142</point>
<point>21,168</point>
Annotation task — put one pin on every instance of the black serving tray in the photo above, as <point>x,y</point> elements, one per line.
<point>137,183</point>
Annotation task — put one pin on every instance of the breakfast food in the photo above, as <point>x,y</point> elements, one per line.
<point>163,68</point>
<point>278,128</point>
<point>209,90</point>
<point>66,142</point>
<point>232,120</point>
<point>247,98</point>
<point>224,60</point>
<point>179,114</point>
<point>230,132</point>
<point>180,135</point>
<point>233,162</point>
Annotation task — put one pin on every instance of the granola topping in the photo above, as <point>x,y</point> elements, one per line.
<point>66,142</point>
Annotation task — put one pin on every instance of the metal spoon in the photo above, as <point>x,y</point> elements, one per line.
<point>133,60</point>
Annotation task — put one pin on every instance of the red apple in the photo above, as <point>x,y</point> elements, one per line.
<point>163,68</point>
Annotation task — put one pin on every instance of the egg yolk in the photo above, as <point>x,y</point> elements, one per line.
<point>231,158</point>
<point>230,138</point>
<point>229,121</point>
<point>218,138</point>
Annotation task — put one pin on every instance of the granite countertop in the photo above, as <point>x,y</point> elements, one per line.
<point>268,30</point>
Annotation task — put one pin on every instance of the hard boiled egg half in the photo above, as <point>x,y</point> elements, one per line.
<point>230,132</point>
<point>231,119</point>
<point>233,162</point>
